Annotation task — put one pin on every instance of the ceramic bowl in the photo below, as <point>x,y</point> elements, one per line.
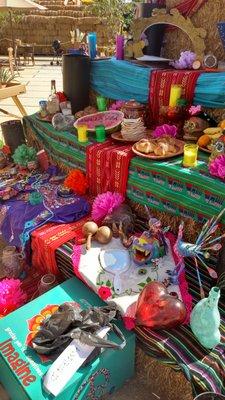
<point>110,119</point>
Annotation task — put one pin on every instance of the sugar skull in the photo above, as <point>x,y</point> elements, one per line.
<point>194,127</point>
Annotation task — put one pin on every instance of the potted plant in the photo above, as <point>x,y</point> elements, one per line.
<point>5,77</point>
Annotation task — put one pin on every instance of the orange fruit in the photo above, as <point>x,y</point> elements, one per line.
<point>204,140</point>
<point>222,124</point>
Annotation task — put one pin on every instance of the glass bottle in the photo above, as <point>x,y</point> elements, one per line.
<point>205,320</point>
<point>53,101</point>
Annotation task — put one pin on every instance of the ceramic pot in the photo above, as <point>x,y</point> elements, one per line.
<point>11,262</point>
<point>205,320</point>
<point>134,110</point>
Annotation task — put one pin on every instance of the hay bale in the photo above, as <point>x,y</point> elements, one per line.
<point>206,17</point>
<point>162,379</point>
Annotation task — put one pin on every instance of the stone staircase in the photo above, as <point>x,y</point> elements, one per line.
<point>42,27</point>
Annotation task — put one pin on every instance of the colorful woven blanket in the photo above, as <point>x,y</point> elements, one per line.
<point>62,146</point>
<point>160,85</point>
<point>108,167</point>
<point>167,186</point>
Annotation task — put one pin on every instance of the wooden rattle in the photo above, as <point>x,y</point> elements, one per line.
<point>89,229</point>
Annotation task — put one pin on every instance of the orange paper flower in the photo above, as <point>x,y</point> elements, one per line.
<point>77,182</point>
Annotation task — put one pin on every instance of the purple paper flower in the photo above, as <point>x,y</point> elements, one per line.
<point>185,61</point>
<point>165,130</point>
<point>193,110</point>
<point>217,167</point>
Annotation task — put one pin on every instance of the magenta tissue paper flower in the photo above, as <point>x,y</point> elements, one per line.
<point>104,204</point>
<point>217,167</point>
<point>185,61</point>
<point>165,130</point>
<point>12,296</point>
<point>117,105</point>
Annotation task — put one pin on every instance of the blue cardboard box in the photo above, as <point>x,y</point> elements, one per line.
<point>22,369</point>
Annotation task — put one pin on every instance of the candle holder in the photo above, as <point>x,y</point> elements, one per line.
<point>92,44</point>
<point>82,134</point>
<point>101,103</point>
<point>100,133</point>
<point>190,158</point>
<point>119,47</point>
<point>174,114</point>
<point>175,95</point>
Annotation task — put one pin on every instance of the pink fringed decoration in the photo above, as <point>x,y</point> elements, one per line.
<point>217,167</point>
<point>165,130</point>
<point>105,204</point>
<point>12,296</point>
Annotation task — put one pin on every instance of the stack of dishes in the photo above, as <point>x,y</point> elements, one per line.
<point>133,129</point>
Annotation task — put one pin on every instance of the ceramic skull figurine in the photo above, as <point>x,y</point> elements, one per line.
<point>195,125</point>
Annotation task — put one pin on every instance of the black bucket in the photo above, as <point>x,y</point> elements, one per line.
<point>76,80</point>
<point>13,134</point>
<point>155,33</point>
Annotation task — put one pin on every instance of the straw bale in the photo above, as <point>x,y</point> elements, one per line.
<point>206,17</point>
<point>161,378</point>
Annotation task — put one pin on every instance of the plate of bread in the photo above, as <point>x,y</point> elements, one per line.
<point>159,148</point>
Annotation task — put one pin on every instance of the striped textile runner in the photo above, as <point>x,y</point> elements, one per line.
<point>107,167</point>
<point>178,347</point>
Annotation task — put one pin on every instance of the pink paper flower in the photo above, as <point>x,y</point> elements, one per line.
<point>12,296</point>
<point>217,167</point>
<point>104,204</point>
<point>104,292</point>
<point>193,110</point>
<point>117,105</point>
<point>165,130</point>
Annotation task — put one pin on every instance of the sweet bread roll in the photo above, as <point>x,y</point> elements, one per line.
<point>145,147</point>
<point>172,148</point>
<point>165,146</point>
<point>159,151</point>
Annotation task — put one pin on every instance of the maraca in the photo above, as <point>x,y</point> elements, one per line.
<point>89,229</point>
<point>103,235</point>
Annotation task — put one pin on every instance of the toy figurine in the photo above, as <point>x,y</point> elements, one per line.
<point>151,244</point>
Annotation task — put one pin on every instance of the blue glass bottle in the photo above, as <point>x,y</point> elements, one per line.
<point>205,320</point>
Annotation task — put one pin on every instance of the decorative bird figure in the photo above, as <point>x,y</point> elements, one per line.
<point>199,251</point>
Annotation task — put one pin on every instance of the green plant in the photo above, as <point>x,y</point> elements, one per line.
<point>118,13</point>
<point>6,76</point>
<point>24,154</point>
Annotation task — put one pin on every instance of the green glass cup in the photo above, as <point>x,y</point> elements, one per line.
<point>100,133</point>
<point>101,103</point>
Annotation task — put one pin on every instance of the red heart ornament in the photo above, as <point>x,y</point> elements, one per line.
<point>157,309</point>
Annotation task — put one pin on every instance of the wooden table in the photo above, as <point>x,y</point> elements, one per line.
<point>13,90</point>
